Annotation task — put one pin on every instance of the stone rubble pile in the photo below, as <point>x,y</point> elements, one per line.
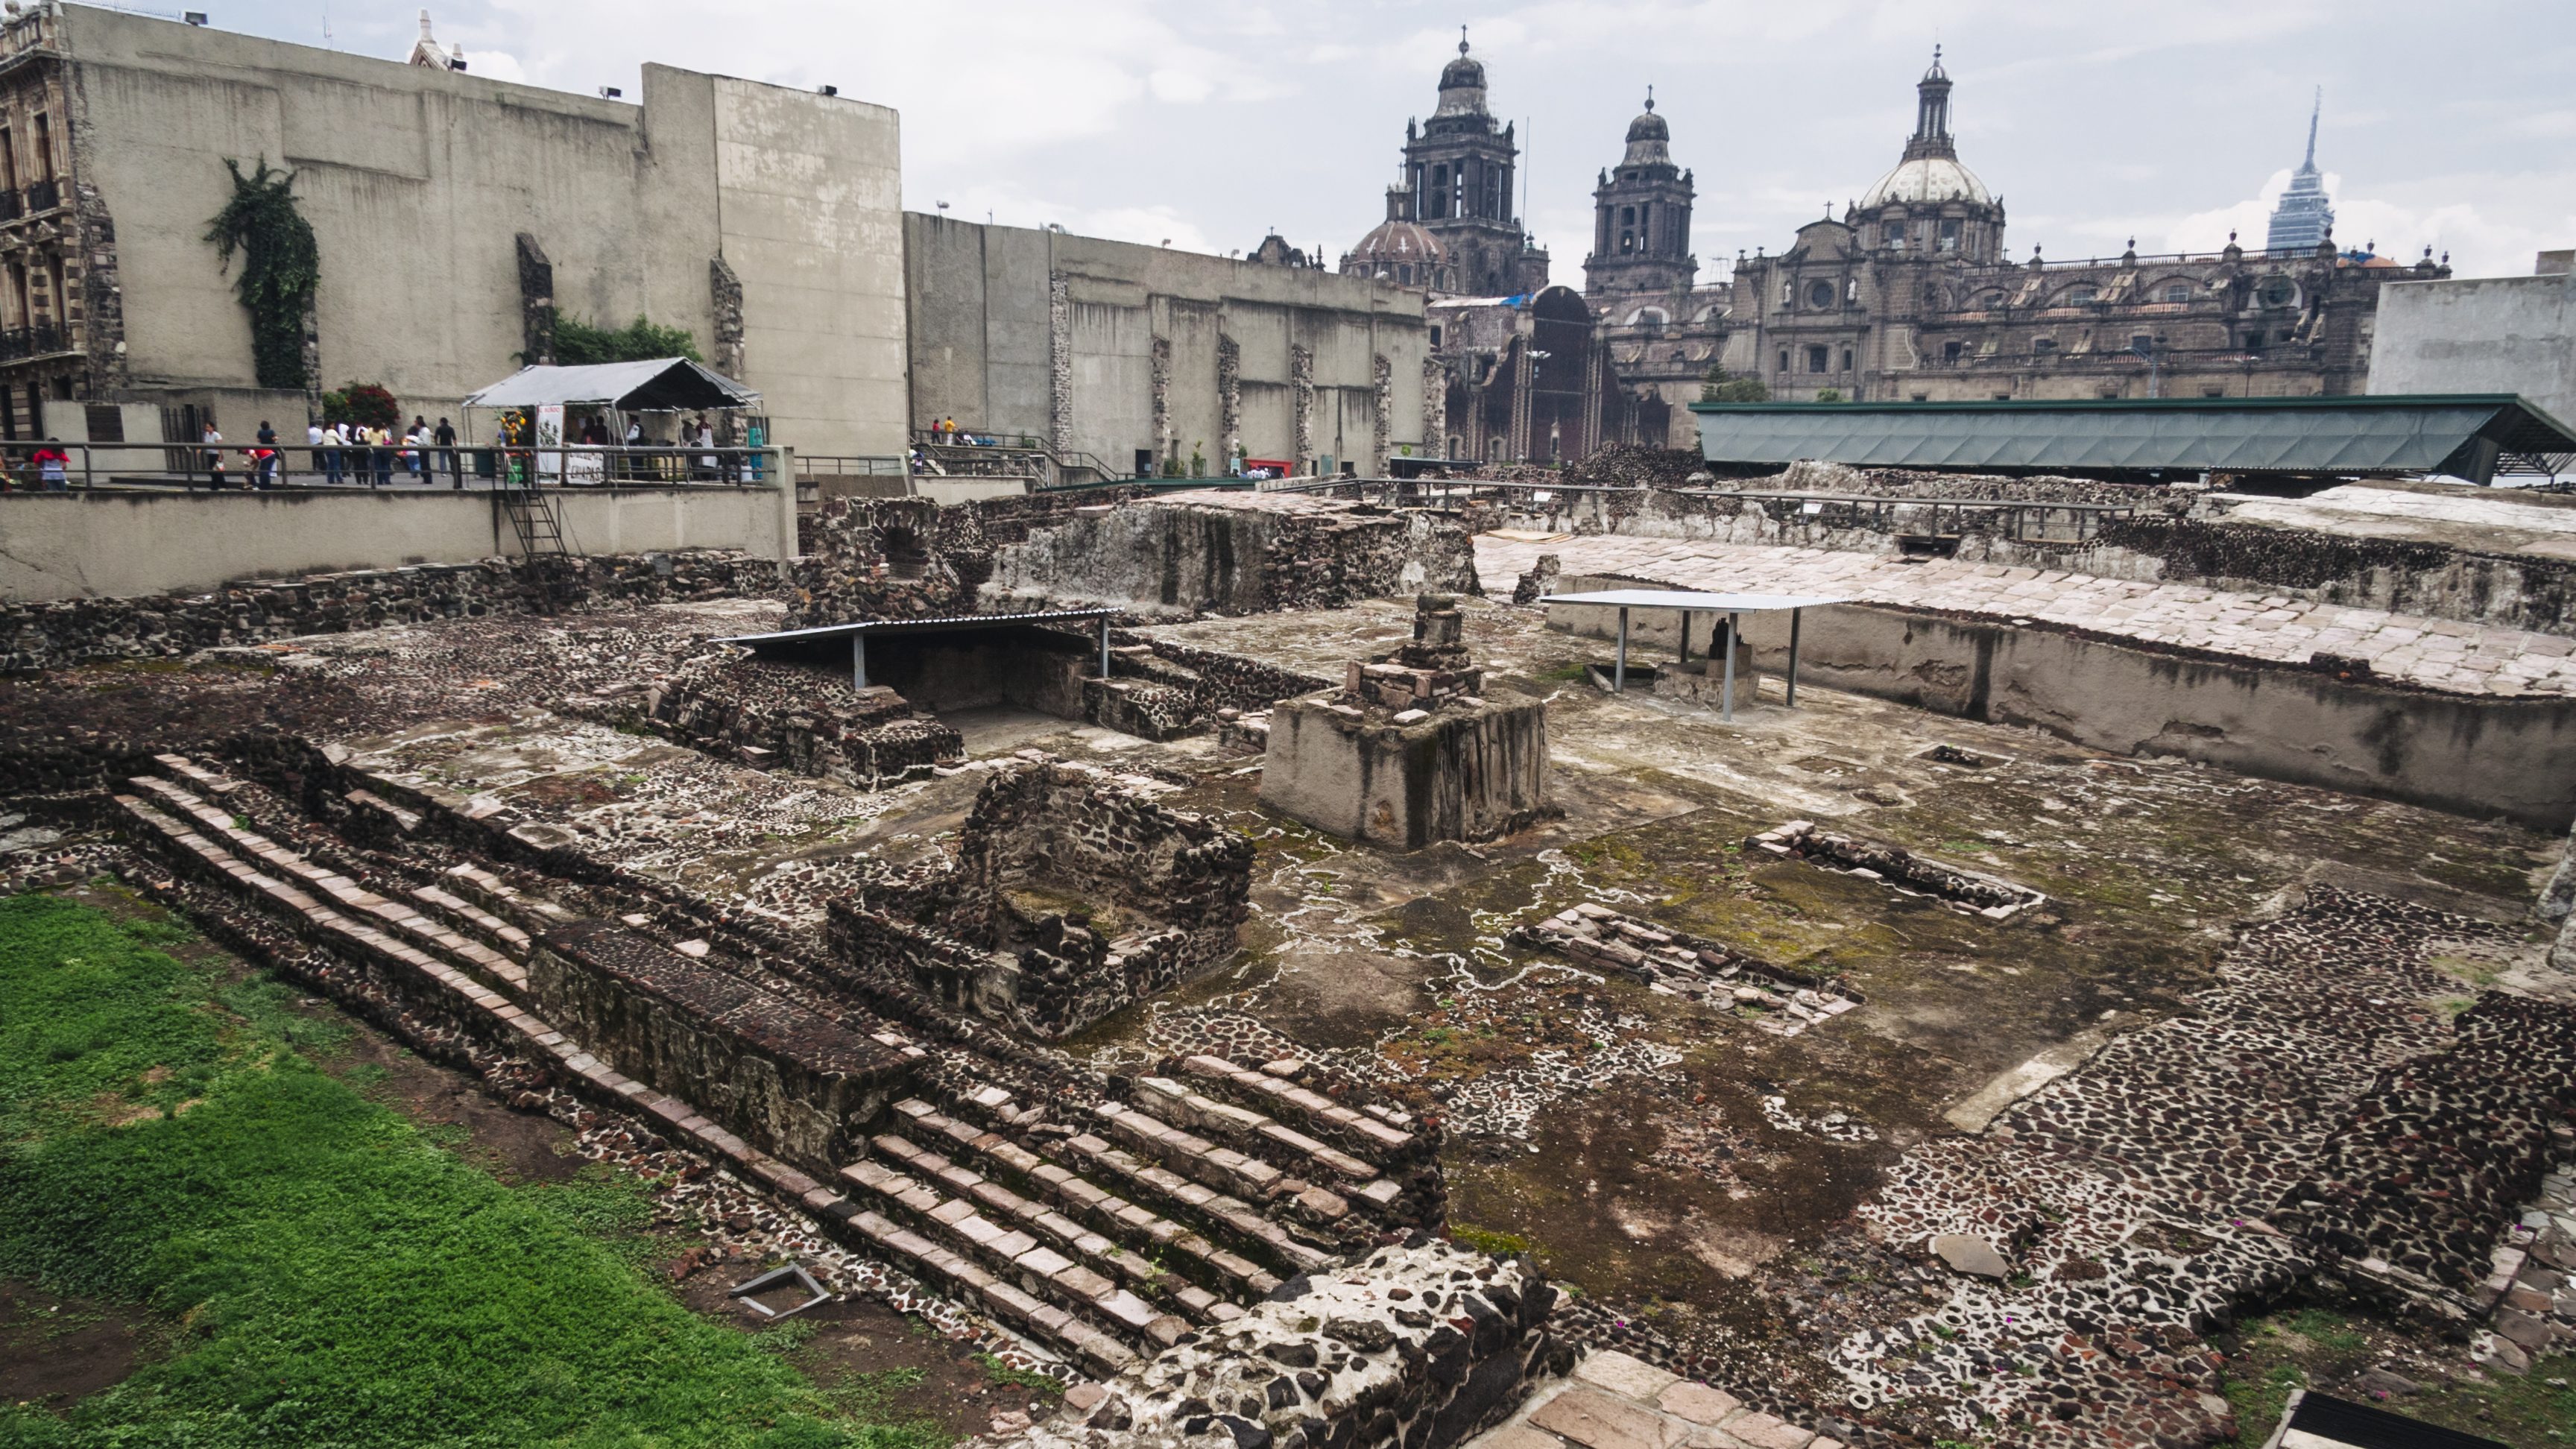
<point>949,926</point>
<point>1676,963</point>
<point>1961,890</point>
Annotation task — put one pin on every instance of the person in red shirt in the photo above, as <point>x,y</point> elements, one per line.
<point>53,468</point>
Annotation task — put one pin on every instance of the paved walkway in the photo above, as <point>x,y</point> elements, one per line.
<point>2439,654</point>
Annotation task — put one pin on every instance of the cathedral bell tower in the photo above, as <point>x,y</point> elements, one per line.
<point>1641,217</point>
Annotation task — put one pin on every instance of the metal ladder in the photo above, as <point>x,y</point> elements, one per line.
<point>532,516</point>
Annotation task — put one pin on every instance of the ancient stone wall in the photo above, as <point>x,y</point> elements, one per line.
<point>806,721</point>
<point>1065,830</point>
<point>60,633</point>
<point>1233,553</point>
<point>788,1080</point>
<point>1423,1345</point>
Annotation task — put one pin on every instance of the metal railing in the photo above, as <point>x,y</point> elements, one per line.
<point>18,342</point>
<point>229,466</point>
<point>44,196</point>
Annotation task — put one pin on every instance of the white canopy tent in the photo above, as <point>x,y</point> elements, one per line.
<point>1688,603</point>
<point>666,384</point>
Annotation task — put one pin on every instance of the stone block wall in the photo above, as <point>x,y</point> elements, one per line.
<point>1472,769</point>
<point>789,1081</point>
<point>60,633</point>
<point>1423,1345</point>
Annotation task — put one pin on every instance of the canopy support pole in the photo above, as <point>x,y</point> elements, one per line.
<point>1686,636</point>
<point>1104,646</point>
<point>1730,668</point>
<point>859,661</point>
<point>1619,670</point>
<point>1793,656</point>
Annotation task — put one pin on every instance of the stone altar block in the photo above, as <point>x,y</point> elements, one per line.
<point>1410,751</point>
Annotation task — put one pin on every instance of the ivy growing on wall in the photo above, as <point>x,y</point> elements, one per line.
<point>280,265</point>
<point>579,343</point>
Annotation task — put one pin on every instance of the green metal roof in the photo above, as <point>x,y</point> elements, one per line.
<point>2465,435</point>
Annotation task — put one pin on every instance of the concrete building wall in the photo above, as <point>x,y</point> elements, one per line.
<point>983,344</point>
<point>417,183</point>
<point>130,543</point>
<point>2480,334</point>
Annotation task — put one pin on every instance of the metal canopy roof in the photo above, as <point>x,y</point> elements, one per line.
<point>2466,435</point>
<point>900,626</point>
<point>661,385</point>
<point>1684,599</point>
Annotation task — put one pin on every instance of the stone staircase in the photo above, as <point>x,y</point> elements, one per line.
<point>1103,1225</point>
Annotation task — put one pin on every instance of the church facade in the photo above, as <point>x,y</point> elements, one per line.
<point>1909,295</point>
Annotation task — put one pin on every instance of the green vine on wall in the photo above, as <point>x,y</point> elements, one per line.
<point>280,265</point>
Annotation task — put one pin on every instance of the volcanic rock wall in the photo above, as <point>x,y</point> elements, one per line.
<point>1423,1345</point>
<point>62,633</point>
<point>792,1082</point>
<point>801,720</point>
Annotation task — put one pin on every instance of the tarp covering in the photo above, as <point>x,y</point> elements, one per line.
<point>2467,435</point>
<point>1700,603</point>
<point>668,384</point>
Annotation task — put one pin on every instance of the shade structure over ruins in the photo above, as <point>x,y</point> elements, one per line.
<point>2469,435</point>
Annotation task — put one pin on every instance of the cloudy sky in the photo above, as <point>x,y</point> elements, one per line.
<point>2451,125</point>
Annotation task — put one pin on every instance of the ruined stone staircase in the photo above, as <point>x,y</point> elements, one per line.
<point>1101,1224</point>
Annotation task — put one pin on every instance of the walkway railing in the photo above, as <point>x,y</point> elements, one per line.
<point>37,466</point>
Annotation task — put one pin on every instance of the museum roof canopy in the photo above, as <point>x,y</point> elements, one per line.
<point>666,384</point>
<point>2466,435</point>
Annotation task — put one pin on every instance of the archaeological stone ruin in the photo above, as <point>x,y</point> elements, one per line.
<point>1219,953</point>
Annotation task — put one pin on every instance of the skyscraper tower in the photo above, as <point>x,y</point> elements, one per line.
<point>2305,217</point>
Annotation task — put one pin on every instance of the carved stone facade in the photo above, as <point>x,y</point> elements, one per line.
<point>48,237</point>
<point>1449,222</point>
<point>1059,362</point>
<point>724,290</point>
<point>1229,399</point>
<point>1301,382</point>
<point>536,303</point>
<point>1384,374</point>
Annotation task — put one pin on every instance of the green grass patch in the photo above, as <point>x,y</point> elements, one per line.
<point>1005,1376</point>
<point>328,1275</point>
<point>1486,1240</point>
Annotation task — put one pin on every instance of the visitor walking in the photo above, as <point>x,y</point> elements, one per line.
<point>265,476</point>
<point>446,436</point>
<point>315,437</point>
<point>213,458</point>
<point>380,441</point>
<point>634,439</point>
<point>413,440</point>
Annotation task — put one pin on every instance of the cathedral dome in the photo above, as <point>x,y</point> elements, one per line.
<point>1927,179</point>
<point>1400,250</point>
<point>1462,84</point>
<point>1647,138</point>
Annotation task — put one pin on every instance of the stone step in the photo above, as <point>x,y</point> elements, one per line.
<point>1054,1175</point>
<point>198,777</point>
<point>404,918</point>
<point>1241,1226</point>
<point>474,921</point>
<point>1377,1134</point>
<point>358,936</point>
<point>1099,1352</point>
<point>1339,1173</point>
<point>943,1172</point>
<point>976,1227</point>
